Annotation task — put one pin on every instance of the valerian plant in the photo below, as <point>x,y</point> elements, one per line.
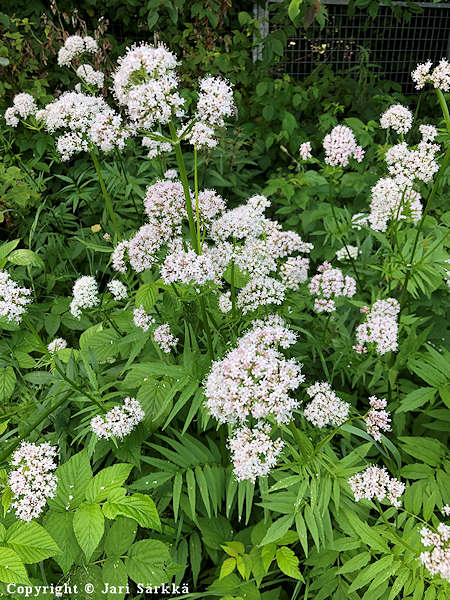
<point>218,404</point>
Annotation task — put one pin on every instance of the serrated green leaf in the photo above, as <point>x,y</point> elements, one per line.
<point>88,525</point>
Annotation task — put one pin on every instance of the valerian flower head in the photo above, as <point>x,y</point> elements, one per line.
<point>329,284</point>
<point>13,298</point>
<point>325,408</point>
<point>254,379</point>
<point>57,344</point>
<point>340,146</point>
<point>85,295</point>
<point>437,559</point>
<point>377,419</point>
<point>165,338</point>
<point>75,46</point>
<point>380,328</point>
<point>375,482</point>
<point>23,106</point>
<point>253,452</point>
<point>33,480</point>
<point>119,421</point>
<point>397,117</point>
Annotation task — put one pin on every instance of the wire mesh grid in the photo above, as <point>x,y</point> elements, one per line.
<point>394,46</point>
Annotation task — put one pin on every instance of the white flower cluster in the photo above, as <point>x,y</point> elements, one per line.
<point>375,482</point>
<point>33,480</point>
<point>117,289</point>
<point>57,344</point>
<point>436,560</point>
<point>13,298</point>
<point>142,319</point>
<point>253,452</point>
<point>397,117</point>
<point>85,295</point>
<point>325,408</point>
<point>243,235</point>
<point>252,383</point>
<point>305,150</point>
<point>408,165</point>
<point>392,199</point>
<point>439,77</point>
<point>119,421</point>
<point>330,284</point>
<point>380,328</point>
<point>377,419</point>
<point>23,106</point>
<point>348,252</point>
<point>146,83</point>
<point>90,76</point>
<point>87,120</point>
<point>215,103</point>
<point>156,148</point>
<point>340,146</point>
<point>75,46</point>
<point>165,338</point>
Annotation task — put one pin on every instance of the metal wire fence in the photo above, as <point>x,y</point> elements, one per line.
<point>394,46</point>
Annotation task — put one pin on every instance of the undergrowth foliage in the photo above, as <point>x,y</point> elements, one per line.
<point>219,400</point>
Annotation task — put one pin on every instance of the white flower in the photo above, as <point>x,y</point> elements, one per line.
<point>393,199</point>
<point>117,289</point>
<point>340,145</point>
<point>33,480</point>
<point>380,328</point>
<point>164,338</point>
<point>13,298</point>
<point>85,295</point>
<point>325,408</point>
<point>90,75</point>
<point>397,117</point>
<point>142,319</point>
<point>377,419</point>
<point>436,560</point>
<point>253,452</point>
<point>215,101</point>
<point>375,482</point>
<point>23,106</point>
<point>119,421</point>
<point>171,174</point>
<point>254,379</point>
<point>347,252</point>
<point>305,150</point>
<point>329,284</point>
<point>75,46</point>
<point>57,344</point>
<point>224,300</point>
<point>260,291</point>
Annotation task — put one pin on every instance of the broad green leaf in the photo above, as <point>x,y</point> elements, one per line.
<point>88,525</point>
<point>288,562</point>
<point>366,533</point>
<point>115,575</point>
<point>176,493</point>
<point>73,478</point>
<point>107,480</point>
<point>12,569</point>
<point>60,527</point>
<point>147,562</point>
<point>31,542</point>
<point>8,247</point>
<point>139,507</point>
<point>120,536</point>
<point>227,567</point>
<point>146,296</point>
<point>416,399</point>
<point>26,258</point>
<point>355,563</point>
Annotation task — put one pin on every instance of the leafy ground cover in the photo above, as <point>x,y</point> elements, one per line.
<point>224,362</point>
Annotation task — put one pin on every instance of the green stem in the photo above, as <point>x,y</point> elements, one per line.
<point>394,533</point>
<point>421,222</point>
<point>444,108</point>
<point>233,291</point>
<point>333,210</point>
<point>206,327</point>
<point>106,196</point>
<point>197,208</point>
<point>185,184</point>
